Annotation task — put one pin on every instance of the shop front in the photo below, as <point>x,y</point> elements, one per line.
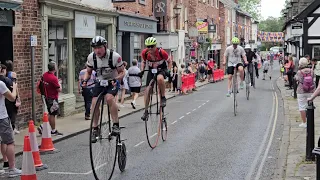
<point>67,30</point>
<point>132,30</point>
<point>214,52</point>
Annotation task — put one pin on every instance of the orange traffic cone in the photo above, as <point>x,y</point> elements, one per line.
<point>34,148</point>
<point>46,142</point>
<point>28,169</point>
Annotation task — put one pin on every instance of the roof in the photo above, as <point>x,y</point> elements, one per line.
<point>10,6</point>
<point>309,9</point>
<point>287,23</point>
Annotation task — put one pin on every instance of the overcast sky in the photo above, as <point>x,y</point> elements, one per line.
<point>271,8</point>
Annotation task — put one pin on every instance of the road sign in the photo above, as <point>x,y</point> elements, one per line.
<point>33,40</point>
<point>297,29</point>
<point>193,32</point>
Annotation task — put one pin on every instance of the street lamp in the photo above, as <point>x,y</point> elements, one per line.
<point>177,11</point>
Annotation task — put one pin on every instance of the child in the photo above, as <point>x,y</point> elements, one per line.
<point>266,65</point>
<point>281,70</point>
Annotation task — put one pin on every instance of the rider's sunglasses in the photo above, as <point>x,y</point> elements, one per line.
<point>150,46</point>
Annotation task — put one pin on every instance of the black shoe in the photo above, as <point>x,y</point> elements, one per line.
<point>95,135</point>
<point>87,117</point>
<point>40,129</point>
<point>56,133</point>
<point>145,116</point>
<point>115,130</point>
<point>270,78</point>
<point>133,106</point>
<point>163,102</point>
<point>5,165</point>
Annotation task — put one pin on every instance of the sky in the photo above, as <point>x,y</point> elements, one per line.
<point>271,8</point>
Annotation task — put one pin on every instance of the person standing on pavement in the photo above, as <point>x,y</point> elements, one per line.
<point>124,85</point>
<point>210,70</point>
<point>134,82</point>
<point>52,87</point>
<point>305,88</point>
<point>86,92</point>
<point>181,72</point>
<point>12,107</point>
<point>290,67</point>
<point>6,131</point>
<point>202,71</point>
<point>317,72</point>
<point>174,77</point>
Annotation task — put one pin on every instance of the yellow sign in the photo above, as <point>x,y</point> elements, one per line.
<point>202,27</point>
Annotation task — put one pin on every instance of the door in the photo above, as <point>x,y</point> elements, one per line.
<point>6,44</point>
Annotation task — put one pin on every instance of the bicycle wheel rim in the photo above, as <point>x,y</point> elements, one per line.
<point>122,155</point>
<point>103,162</point>
<point>164,127</point>
<point>235,91</point>
<point>152,122</point>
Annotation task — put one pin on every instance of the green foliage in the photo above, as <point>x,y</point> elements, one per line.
<point>251,6</point>
<point>271,24</point>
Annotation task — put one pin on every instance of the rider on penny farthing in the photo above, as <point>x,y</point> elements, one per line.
<point>109,66</point>
<point>156,58</point>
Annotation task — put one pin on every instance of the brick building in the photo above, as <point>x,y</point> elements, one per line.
<point>22,19</point>
<point>243,26</point>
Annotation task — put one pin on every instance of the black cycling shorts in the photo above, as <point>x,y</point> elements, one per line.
<point>106,90</point>
<point>230,69</point>
<point>150,75</point>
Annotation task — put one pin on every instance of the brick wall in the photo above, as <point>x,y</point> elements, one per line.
<point>135,7</point>
<point>27,23</point>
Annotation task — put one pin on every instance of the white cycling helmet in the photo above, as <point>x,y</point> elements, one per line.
<point>247,46</point>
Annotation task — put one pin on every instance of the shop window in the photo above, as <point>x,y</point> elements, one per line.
<point>58,50</point>
<point>102,30</point>
<point>316,52</point>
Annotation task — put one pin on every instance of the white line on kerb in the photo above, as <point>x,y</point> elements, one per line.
<point>181,117</point>
<point>138,144</point>
<point>270,141</point>
<point>188,113</point>
<point>173,122</point>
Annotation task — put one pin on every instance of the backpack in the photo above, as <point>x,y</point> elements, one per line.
<point>95,66</point>
<point>41,87</point>
<point>307,82</point>
<point>202,69</point>
<point>160,53</point>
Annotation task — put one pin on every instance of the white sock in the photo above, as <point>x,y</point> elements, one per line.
<point>53,130</point>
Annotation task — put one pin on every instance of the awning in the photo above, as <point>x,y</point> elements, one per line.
<point>10,6</point>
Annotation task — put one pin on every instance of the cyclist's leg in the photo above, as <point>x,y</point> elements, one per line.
<point>146,96</point>
<point>162,87</point>
<point>241,72</point>
<point>256,68</point>
<point>113,107</point>
<point>250,69</point>
<point>230,72</point>
<point>96,91</point>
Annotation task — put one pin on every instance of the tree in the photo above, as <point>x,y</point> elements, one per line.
<point>271,24</point>
<point>252,7</point>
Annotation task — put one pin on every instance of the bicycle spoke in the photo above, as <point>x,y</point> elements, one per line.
<point>152,123</point>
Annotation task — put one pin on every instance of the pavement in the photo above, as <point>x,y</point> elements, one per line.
<point>293,148</point>
<point>205,140</point>
<point>76,124</point>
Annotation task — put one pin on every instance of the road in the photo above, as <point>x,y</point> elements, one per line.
<point>205,140</point>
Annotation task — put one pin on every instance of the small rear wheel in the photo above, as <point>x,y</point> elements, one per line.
<point>122,156</point>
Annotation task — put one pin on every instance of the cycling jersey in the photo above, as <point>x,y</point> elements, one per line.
<point>159,58</point>
<point>250,56</point>
<point>104,71</point>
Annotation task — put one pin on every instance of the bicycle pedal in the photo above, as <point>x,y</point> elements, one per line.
<point>122,127</point>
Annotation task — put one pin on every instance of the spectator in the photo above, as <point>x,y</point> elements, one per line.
<point>290,66</point>
<point>134,82</point>
<point>266,66</point>
<point>303,90</point>
<point>6,131</point>
<point>12,107</point>
<point>124,85</point>
<point>181,73</point>
<point>52,87</point>
<point>210,70</point>
<point>86,92</point>
<point>174,77</point>
<point>317,72</point>
<point>202,71</point>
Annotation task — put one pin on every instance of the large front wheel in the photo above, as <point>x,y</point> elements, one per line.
<point>103,146</point>
<point>153,118</point>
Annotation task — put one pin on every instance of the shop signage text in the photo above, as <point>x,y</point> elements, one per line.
<point>160,8</point>
<point>85,26</point>
<point>132,24</point>
<point>6,18</point>
<point>202,27</point>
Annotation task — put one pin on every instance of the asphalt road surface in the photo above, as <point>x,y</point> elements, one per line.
<point>205,140</point>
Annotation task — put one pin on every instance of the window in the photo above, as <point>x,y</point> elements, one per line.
<point>316,52</point>
<point>212,3</point>
<point>58,50</point>
<point>217,4</point>
<point>142,2</point>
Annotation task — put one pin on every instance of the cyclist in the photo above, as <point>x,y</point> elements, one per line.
<point>250,57</point>
<point>234,53</point>
<point>108,66</point>
<point>258,60</point>
<point>155,58</point>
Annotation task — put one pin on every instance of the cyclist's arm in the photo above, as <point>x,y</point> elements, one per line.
<point>225,56</point>
<point>118,63</point>
<point>166,57</point>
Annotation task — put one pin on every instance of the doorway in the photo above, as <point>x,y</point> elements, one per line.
<point>6,44</point>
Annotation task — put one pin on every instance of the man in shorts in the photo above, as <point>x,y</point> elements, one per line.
<point>234,53</point>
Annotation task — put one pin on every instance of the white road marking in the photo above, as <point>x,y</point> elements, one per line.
<point>255,161</point>
<point>270,140</point>
<point>188,113</point>
<point>173,122</point>
<point>139,144</point>
<point>153,135</point>
<point>203,104</point>
<point>194,109</point>
<point>208,101</point>
<point>199,106</point>
<point>69,173</point>
<point>181,117</point>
